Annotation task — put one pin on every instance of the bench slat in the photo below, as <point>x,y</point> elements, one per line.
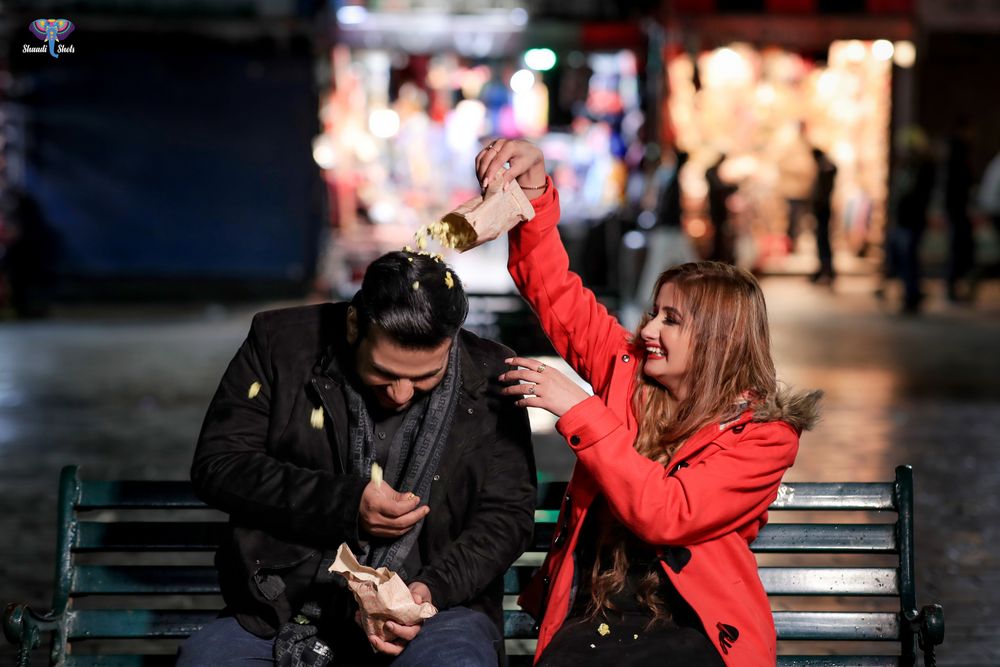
<point>860,496</point>
<point>826,496</point>
<point>170,580</point>
<point>837,625</point>
<point>826,538</point>
<point>873,581</point>
<point>525,659</point>
<point>136,623</point>
<point>838,661</point>
<point>795,537</point>
<point>813,625</point>
<point>145,580</point>
<point>830,580</point>
<point>514,659</point>
<point>149,536</point>
<point>137,494</point>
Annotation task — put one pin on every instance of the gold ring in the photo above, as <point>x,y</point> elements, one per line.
<point>541,367</point>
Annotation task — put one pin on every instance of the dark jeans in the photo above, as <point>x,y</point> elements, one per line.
<point>458,636</point>
<point>823,248</point>
<point>904,262</point>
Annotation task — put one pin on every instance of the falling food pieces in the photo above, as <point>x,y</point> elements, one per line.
<point>254,390</point>
<point>603,630</point>
<point>592,646</point>
<point>416,285</point>
<point>455,234</point>
<point>635,636</point>
<point>316,418</point>
<point>377,475</point>
<point>448,280</point>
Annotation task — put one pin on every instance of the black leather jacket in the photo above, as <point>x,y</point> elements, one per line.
<point>284,485</point>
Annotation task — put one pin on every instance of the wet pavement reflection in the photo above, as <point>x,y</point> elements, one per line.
<point>122,393</point>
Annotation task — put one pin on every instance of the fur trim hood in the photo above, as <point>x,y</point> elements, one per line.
<point>799,409</point>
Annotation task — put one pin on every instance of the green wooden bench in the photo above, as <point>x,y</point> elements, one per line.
<point>134,575</point>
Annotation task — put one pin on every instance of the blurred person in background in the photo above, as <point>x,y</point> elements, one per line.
<point>719,192</point>
<point>668,243</point>
<point>29,254</point>
<point>314,397</point>
<point>957,177</point>
<point>988,200</point>
<point>911,185</point>
<point>679,453</point>
<point>792,154</point>
<point>822,194</point>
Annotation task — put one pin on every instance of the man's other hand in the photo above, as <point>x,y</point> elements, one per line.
<point>397,635</point>
<point>385,512</point>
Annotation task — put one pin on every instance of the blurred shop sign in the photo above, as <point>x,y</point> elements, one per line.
<point>219,8</point>
<point>476,28</point>
<point>962,15</point>
<point>481,34</point>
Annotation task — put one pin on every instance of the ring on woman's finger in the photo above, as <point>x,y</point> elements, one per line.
<point>541,367</point>
<point>530,391</point>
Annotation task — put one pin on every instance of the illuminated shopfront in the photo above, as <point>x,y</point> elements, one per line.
<point>764,110</point>
<point>412,96</point>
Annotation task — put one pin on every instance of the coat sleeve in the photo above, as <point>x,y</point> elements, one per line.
<point>704,501</point>
<point>580,328</point>
<point>234,471</point>
<point>501,524</point>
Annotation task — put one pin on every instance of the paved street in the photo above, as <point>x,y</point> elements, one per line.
<point>122,393</point>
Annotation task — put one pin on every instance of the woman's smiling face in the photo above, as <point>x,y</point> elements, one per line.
<point>667,341</point>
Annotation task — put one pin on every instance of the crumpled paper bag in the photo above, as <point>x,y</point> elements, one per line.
<point>485,218</point>
<point>381,594</point>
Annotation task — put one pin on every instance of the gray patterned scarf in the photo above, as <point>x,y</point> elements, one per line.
<point>414,453</point>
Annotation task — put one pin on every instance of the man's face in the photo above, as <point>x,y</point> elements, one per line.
<point>396,375</point>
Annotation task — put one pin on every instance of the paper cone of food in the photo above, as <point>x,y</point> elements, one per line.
<point>481,219</point>
<point>381,594</point>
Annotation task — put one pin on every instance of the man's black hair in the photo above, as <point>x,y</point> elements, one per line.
<point>407,296</point>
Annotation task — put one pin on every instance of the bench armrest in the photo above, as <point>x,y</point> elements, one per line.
<point>23,627</point>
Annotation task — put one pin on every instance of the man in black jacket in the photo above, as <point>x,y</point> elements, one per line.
<point>314,396</point>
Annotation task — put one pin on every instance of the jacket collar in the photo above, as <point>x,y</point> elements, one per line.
<point>722,433</point>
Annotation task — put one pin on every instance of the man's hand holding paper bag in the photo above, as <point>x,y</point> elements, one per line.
<point>390,613</point>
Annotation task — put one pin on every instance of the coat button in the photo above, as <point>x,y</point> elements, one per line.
<point>437,478</point>
<point>470,411</point>
<point>326,385</point>
<point>574,440</point>
<point>626,358</point>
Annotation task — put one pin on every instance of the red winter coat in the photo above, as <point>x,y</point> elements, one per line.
<point>704,509</point>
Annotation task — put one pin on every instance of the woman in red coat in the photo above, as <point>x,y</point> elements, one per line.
<point>680,451</point>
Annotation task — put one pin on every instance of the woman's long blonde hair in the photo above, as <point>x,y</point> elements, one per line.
<point>730,370</point>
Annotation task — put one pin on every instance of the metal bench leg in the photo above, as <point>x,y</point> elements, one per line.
<point>930,632</point>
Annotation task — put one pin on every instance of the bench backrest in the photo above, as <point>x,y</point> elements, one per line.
<point>134,563</point>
